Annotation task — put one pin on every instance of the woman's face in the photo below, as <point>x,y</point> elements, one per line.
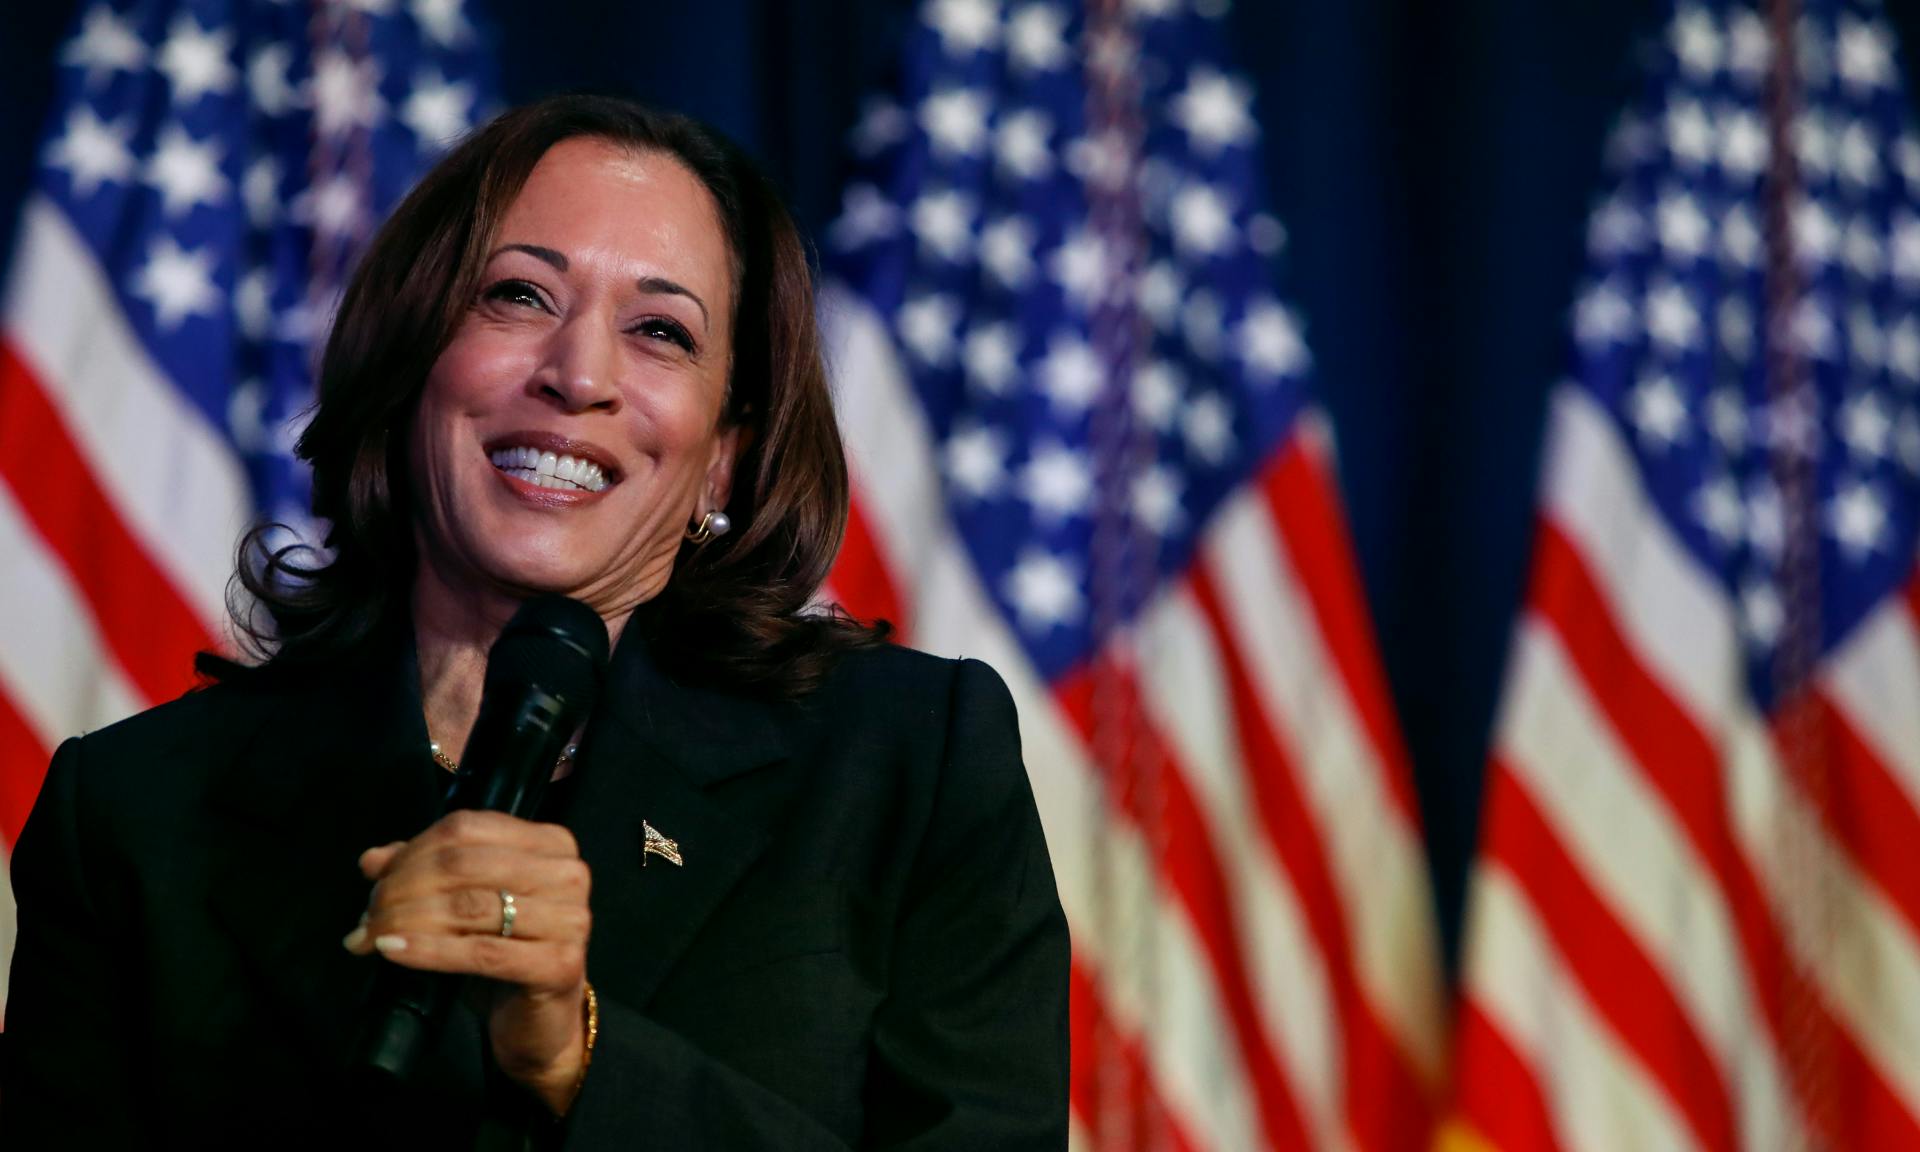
<point>571,429</point>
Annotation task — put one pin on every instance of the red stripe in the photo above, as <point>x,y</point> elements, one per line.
<point>1677,760</point>
<point>141,616</point>
<point>1306,505</point>
<point>1496,1093</point>
<point>1153,794</point>
<point>862,580</point>
<point>23,764</point>
<point>1868,811</point>
<point>1619,979</point>
<point>1112,1085</point>
<point>1386,1105</point>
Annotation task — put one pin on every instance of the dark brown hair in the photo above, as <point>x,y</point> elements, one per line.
<point>735,611</point>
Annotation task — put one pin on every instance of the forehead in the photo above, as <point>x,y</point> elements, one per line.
<point>639,212</point>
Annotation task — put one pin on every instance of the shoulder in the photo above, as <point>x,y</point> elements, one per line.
<point>905,685</point>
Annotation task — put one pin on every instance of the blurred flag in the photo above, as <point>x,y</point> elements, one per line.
<point>1085,451</point>
<point>1696,917</point>
<point>208,174</point>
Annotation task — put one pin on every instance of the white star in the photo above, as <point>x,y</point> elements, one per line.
<point>1766,520</point>
<point>1036,38</point>
<point>1749,45</point>
<point>1111,52</point>
<point>1904,249</point>
<point>1270,343</point>
<point>1672,319</point>
<point>1857,518</point>
<point>1866,426</point>
<point>1906,441</point>
<point>1152,9</point>
<point>92,151</point>
<point>1761,616</point>
<point>1156,498</point>
<point>1202,220</point>
<point>1044,591</point>
<point>1721,512</point>
<point>1104,161</point>
<point>927,326</point>
<point>1735,325</point>
<point>1071,374</point>
<point>1727,419</point>
<point>1214,110</point>
<point>1903,351</point>
<point>346,93</point>
<point>267,84</point>
<point>185,172</point>
<point>1058,482</point>
<point>1265,234</point>
<point>1695,42</point>
<point>1006,248</point>
<point>1816,239</point>
<point>865,216</point>
<point>1021,145</point>
<point>436,111</point>
<point>1201,322</point>
<point>1684,229</point>
<point>253,304</point>
<point>1631,142</point>
<point>1207,425</point>
<point>1156,393</point>
<point>1616,229</point>
<point>965,26</point>
<point>1813,331</point>
<point>106,44</point>
<point>260,191</point>
<point>196,60</point>
<point>976,461</point>
<point>1740,239</point>
<point>333,207</point>
<point>1859,160</point>
<point>1658,411</point>
<point>990,356</point>
<point>1864,254</point>
<point>1602,316</point>
<point>1813,144</point>
<point>1793,423</point>
<point>442,21</point>
<point>881,123</point>
<point>246,415</point>
<point>1689,134</point>
<point>178,283</point>
<point>943,220</point>
<point>1744,147</point>
<point>1159,294</point>
<point>1083,268</point>
<point>955,121</point>
<point>1865,54</point>
<point>1906,157</point>
<point>1865,340</point>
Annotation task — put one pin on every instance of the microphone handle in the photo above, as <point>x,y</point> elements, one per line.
<point>510,757</point>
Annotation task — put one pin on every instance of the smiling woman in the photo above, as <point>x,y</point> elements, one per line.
<point>579,354</point>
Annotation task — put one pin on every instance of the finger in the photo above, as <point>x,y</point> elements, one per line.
<point>374,861</point>
<point>430,872</point>
<point>481,911</point>
<point>472,826</point>
<point>540,965</point>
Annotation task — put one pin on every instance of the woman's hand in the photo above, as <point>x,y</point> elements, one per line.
<point>436,906</point>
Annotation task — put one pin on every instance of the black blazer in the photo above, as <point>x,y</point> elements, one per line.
<point>863,948</point>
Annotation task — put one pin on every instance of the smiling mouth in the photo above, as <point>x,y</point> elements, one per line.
<point>550,469</point>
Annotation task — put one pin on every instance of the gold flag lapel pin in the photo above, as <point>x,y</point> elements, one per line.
<point>658,845</point>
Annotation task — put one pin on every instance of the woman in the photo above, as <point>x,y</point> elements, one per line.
<point>791,892</point>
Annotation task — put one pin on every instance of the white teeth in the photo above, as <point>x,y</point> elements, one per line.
<point>549,469</point>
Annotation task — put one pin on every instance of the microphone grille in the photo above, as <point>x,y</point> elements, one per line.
<point>555,642</point>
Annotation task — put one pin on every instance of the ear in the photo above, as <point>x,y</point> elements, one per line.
<point>731,444</point>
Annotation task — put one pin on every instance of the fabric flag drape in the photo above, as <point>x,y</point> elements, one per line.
<point>1695,920</point>
<point>208,173</point>
<point>1085,450</point>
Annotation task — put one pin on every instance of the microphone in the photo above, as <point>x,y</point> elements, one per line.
<point>543,673</point>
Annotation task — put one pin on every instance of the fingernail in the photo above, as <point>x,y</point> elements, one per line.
<point>356,938</point>
<point>386,944</point>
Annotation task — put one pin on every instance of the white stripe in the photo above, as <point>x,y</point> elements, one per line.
<point>1675,617</point>
<point>1185,692</point>
<point>1162,991</point>
<point>54,667</point>
<point>1874,680</point>
<point>1375,858</point>
<point>176,483</point>
<point>1598,1098</point>
<point>1625,843</point>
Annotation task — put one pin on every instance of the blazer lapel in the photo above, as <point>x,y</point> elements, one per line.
<point>657,755</point>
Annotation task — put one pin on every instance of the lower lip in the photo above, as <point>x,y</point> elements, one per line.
<point>549,497</point>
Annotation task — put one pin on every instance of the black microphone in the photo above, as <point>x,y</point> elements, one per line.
<point>543,673</point>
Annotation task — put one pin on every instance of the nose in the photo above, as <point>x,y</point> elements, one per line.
<point>578,371</point>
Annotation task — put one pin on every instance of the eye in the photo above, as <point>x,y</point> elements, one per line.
<point>661,328</point>
<point>516,292</point>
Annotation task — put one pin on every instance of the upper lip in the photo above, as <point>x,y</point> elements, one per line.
<point>558,445</point>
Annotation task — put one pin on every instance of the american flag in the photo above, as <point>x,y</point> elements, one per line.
<point>208,174</point>
<point>1695,921</point>
<point>1085,451</point>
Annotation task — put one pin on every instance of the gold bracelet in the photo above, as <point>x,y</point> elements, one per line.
<point>590,1010</point>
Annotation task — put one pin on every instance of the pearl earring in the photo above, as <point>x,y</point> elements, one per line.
<point>715,523</point>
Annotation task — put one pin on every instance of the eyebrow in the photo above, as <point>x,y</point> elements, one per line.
<point>653,285</point>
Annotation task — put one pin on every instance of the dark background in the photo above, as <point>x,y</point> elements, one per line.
<point>1433,163</point>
